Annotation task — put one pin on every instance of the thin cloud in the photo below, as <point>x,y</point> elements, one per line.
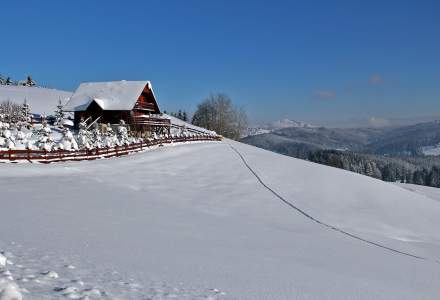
<point>375,79</point>
<point>324,94</point>
<point>378,122</point>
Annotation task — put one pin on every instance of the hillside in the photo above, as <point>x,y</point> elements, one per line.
<point>41,100</point>
<point>215,221</point>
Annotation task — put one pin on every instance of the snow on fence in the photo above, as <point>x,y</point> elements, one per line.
<point>90,154</point>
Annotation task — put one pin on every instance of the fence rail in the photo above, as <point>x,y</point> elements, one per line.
<point>90,154</point>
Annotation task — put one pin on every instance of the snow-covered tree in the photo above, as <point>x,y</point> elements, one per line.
<point>122,132</point>
<point>110,139</point>
<point>59,113</point>
<point>30,81</point>
<point>84,136</point>
<point>97,137</point>
<point>43,137</point>
<point>26,118</point>
<point>11,111</point>
<point>20,136</point>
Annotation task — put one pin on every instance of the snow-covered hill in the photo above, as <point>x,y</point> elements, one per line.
<point>214,221</point>
<point>41,100</point>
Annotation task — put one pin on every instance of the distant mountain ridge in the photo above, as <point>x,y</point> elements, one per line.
<point>410,140</point>
<point>276,125</point>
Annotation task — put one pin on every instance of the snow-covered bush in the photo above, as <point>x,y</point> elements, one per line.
<point>84,136</point>
<point>43,137</point>
<point>122,132</point>
<point>9,290</point>
<point>109,139</point>
<point>68,142</point>
<point>7,139</point>
<point>97,141</point>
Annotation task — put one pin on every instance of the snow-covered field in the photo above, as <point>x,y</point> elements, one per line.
<point>211,221</point>
<point>41,100</point>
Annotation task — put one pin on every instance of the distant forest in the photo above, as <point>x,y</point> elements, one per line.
<point>389,154</point>
<point>406,169</point>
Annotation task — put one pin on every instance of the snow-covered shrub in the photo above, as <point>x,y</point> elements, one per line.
<point>122,132</point>
<point>7,139</point>
<point>43,137</point>
<point>9,290</point>
<point>84,136</point>
<point>68,142</point>
<point>110,139</point>
<point>20,136</point>
<point>97,140</point>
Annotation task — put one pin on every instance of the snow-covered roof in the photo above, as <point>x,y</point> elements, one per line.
<point>114,95</point>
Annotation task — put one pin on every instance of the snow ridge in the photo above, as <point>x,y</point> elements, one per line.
<point>307,215</point>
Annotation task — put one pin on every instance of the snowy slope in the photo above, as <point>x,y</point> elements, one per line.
<point>427,191</point>
<point>178,122</point>
<point>211,221</point>
<point>41,100</point>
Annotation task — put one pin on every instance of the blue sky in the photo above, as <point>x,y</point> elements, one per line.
<point>307,60</point>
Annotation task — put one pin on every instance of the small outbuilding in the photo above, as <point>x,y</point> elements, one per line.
<point>133,102</point>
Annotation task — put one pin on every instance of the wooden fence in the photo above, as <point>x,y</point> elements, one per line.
<point>90,154</point>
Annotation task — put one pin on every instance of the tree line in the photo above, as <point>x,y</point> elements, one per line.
<point>416,170</point>
<point>9,81</point>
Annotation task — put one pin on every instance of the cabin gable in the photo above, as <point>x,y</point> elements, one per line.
<point>146,103</point>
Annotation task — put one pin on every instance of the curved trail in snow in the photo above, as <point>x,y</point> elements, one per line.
<point>307,215</point>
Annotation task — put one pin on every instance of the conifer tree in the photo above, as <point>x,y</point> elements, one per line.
<point>59,113</point>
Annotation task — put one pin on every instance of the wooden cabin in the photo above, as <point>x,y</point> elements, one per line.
<point>110,102</point>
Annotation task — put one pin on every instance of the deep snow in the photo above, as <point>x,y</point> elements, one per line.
<point>192,221</point>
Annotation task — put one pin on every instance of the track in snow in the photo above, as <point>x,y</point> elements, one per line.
<point>310,217</point>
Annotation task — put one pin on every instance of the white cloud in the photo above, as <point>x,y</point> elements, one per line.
<point>324,93</point>
<point>378,122</point>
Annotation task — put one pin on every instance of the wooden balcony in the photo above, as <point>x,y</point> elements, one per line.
<point>151,120</point>
<point>144,106</point>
